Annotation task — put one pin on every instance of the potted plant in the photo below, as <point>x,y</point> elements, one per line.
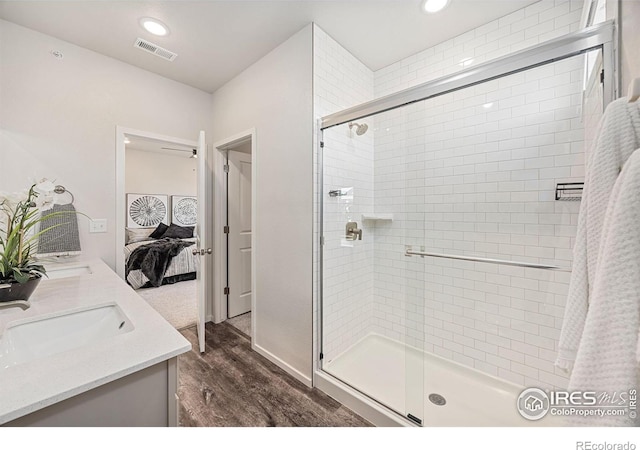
<point>20,214</point>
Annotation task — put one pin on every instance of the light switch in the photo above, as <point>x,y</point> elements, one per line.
<point>98,226</point>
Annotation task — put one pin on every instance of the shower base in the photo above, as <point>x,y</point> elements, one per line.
<point>393,374</point>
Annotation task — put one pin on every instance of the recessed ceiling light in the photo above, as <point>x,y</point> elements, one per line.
<point>433,6</point>
<point>488,105</point>
<point>127,140</point>
<point>154,26</point>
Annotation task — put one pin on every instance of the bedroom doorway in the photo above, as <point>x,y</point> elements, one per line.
<point>235,236</point>
<point>161,188</point>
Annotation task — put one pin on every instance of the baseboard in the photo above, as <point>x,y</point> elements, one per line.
<point>283,365</point>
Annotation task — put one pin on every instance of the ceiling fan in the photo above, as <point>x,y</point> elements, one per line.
<point>194,152</point>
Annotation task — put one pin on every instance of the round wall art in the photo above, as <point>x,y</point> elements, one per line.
<point>184,210</point>
<point>146,210</point>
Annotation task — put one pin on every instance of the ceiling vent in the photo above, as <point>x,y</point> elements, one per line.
<point>155,49</point>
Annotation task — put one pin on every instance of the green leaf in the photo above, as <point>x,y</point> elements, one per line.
<point>18,237</point>
<point>20,276</point>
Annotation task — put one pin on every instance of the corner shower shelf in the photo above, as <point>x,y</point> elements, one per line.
<point>377,217</point>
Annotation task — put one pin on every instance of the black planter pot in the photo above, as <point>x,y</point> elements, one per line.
<point>13,290</point>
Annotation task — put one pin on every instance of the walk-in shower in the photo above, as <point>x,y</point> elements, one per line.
<point>449,300</point>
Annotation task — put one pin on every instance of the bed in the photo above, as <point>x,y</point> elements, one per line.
<point>153,262</point>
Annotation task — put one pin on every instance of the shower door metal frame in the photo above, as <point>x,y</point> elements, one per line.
<point>598,37</point>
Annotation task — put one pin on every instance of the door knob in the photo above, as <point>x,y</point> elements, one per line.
<point>209,251</point>
<point>195,252</point>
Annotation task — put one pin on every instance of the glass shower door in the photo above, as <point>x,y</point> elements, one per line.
<point>364,300</point>
<point>400,282</point>
<point>497,237</point>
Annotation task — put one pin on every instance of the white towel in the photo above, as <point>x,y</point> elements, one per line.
<point>618,137</point>
<point>607,360</point>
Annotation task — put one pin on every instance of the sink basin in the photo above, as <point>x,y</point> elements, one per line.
<point>30,339</point>
<point>65,272</point>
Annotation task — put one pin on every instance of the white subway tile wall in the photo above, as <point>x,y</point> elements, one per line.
<point>348,265</point>
<point>341,81</point>
<point>472,172</point>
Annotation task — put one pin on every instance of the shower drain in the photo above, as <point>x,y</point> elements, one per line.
<point>437,399</point>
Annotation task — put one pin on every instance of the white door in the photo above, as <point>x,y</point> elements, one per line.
<point>202,249</point>
<point>239,233</point>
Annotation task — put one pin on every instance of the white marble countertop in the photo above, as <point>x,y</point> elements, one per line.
<point>30,386</point>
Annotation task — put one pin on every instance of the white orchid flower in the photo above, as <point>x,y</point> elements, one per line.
<point>44,186</point>
<point>44,202</point>
<point>45,190</point>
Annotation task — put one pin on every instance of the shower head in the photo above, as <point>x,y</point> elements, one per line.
<point>360,129</point>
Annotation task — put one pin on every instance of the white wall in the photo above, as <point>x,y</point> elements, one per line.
<point>274,96</point>
<point>158,173</point>
<point>58,120</point>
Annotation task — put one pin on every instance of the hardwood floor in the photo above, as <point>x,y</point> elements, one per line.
<point>230,385</point>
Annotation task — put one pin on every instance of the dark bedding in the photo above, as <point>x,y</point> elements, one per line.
<point>154,258</point>
<point>175,279</point>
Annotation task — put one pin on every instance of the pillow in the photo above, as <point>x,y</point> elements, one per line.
<point>176,231</point>
<point>159,231</point>
<point>138,234</point>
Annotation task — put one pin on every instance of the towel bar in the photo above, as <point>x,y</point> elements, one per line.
<point>505,262</point>
<point>59,189</point>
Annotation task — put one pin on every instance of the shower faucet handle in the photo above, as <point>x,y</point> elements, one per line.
<point>353,233</point>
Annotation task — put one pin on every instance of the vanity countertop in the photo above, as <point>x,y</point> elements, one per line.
<point>33,385</point>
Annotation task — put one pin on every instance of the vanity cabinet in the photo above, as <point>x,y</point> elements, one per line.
<point>89,352</point>
<point>147,398</point>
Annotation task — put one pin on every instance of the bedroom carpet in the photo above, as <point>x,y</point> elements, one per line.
<point>177,303</point>
<point>230,385</point>
<point>242,323</point>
